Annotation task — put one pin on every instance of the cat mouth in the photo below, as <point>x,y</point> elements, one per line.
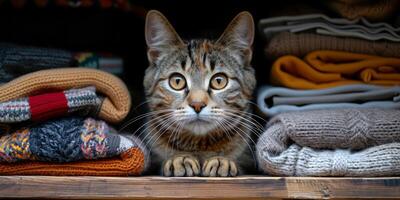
<point>200,120</point>
<point>200,126</point>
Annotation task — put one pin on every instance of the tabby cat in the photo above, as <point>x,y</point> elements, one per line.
<point>198,93</point>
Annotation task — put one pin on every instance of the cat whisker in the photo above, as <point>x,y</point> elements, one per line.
<point>244,139</point>
<point>252,122</point>
<point>169,138</point>
<point>153,120</point>
<point>229,123</point>
<point>160,132</point>
<point>131,121</point>
<point>158,126</point>
<point>255,128</point>
<point>175,133</point>
<point>248,113</point>
<point>251,129</point>
<point>225,130</point>
<point>163,128</point>
<point>141,104</point>
<point>252,103</point>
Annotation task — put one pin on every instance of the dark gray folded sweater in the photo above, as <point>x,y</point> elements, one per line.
<point>17,60</point>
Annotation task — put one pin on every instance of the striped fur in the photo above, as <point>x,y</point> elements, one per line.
<point>220,132</point>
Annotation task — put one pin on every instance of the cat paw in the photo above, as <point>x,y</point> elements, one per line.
<point>219,166</point>
<point>181,165</point>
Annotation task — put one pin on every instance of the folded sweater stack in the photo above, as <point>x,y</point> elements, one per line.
<point>51,123</point>
<point>299,35</point>
<point>333,98</point>
<point>342,142</point>
<point>334,68</point>
<point>331,79</point>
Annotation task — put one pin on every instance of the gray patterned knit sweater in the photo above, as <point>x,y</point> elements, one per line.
<point>346,142</point>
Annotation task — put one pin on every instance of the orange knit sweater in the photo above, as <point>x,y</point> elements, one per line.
<point>131,162</point>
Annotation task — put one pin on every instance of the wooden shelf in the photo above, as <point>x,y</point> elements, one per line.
<point>249,187</point>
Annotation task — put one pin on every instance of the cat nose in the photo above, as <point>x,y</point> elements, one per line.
<point>197,106</point>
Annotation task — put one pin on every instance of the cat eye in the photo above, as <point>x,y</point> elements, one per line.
<point>177,81</point>
<point>219,81</point>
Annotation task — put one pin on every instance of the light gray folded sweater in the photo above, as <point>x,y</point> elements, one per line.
<point>275,100</point>
<point>344,142</point>
<point>322,24</point>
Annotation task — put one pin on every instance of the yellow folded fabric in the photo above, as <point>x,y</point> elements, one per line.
<point>372,75</point>
<point>324,69</point>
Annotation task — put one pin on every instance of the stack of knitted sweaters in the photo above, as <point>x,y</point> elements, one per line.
<point>333,100</point>
<point>56,122</point>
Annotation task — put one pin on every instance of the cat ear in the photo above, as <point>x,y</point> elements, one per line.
<point>239,36</point>
<point>160,35</point>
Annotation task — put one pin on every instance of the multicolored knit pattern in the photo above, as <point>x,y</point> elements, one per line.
<point>15,146</point>
<point>94,139</point>
<point>50,105</point>
<point>64,140</point>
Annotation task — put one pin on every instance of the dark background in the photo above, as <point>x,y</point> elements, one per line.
<point>121,32</point>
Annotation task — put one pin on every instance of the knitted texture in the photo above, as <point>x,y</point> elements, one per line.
<point>275,100</point>
<point>45,106</point>
<point>371,9</point>
<point>130,163</point>
<point>116,103</point>
<point>17,60</point>
<point>322,24</point>
<point>342,142</point>
<point>300,44</point>
<point>63,140</point>
<point>325,69</point>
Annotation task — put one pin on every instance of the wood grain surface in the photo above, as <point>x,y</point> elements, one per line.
<point>249,187</point>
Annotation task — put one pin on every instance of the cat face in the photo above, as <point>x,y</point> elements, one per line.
<point>199,85</point>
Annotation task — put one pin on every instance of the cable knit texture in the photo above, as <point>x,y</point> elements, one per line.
<point>343,142</point>
<point>71,147</point>
<point>299,44</point>
<point>115,106</point>
<point>63,140</point>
